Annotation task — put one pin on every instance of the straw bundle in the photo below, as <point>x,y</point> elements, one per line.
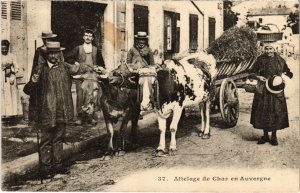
<point>235,44</point>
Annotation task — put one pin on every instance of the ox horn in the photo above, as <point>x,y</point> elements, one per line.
<point>131,79</point>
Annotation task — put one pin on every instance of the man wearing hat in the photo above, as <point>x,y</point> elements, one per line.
<point>89,55</point>
<point>38,55</point>
<point>45,36</point>
<point>269,108</point>
<point>50,82</point>
<point>140,55</point>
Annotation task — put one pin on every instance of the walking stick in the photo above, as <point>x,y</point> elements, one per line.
<point>38,135</point>
<point>39,152</point>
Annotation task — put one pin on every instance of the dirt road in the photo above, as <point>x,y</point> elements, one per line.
<point>229,152</point>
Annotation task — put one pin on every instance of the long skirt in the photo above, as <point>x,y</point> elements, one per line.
<point>269,111</point>
<point>11,102</point>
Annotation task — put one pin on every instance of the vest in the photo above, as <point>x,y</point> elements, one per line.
<point>81,55</point>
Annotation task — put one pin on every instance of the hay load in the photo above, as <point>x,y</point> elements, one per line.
<point>235,44</point>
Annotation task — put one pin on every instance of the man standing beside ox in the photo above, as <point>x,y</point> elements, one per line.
<point>39,55</point>
<point>55,107</point>
<point>89,55</point>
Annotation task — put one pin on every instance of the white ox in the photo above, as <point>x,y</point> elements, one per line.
<point>180,83</point>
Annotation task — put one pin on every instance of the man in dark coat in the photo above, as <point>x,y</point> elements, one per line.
<point>89,55</point>
<point>50,84</point>
<point>269,110</point>
<point>38,55</point>
<point>140,55</point>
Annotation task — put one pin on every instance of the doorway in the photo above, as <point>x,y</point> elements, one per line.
<point>69,20</point>
<point>140,19</point>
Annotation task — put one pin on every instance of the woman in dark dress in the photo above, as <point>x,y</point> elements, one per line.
<point>269,110</point>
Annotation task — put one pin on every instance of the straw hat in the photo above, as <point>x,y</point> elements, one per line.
<point>53,47</point>
<point>47,34</point>
<point>275,84</point>
<point>141,34</point>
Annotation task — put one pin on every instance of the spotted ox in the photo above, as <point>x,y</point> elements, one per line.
<point>181,83</point>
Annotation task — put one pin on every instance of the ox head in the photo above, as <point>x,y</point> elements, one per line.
<point>148,88</point>
<point>91,92</point>
<point>125,80</point>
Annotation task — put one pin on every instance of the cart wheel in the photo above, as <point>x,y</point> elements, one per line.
<point>229,102</point>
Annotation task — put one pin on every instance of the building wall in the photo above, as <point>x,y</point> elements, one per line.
<point>279,20</point>
<point>211,9</point>
<point>184,8</point>
<point>38,20</point>
<point>109,35</point>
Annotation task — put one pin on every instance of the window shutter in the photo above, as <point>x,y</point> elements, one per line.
<point>16,10</point>
<point>193,32</point>
<point>4,9</point>
<point>177,33</point>
<point>211,29</point>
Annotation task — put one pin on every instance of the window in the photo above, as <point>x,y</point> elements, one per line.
<point>193,32</point>
<point>260,20</point>
<point>171,34</point>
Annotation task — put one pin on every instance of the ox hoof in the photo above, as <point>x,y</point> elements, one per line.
<point>107,156</point>
<point>172,152</point>
<point>206,136</point>
<point>200,134</point>
<point>160,153</point>
<point>120,153</point>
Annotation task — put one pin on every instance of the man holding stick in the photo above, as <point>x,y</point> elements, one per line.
<point>50,84</point>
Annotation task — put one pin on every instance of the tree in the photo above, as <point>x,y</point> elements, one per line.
<point>230,17</point>
<point>293,20</point>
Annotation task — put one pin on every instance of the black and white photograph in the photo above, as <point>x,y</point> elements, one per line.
<point>150,96</point>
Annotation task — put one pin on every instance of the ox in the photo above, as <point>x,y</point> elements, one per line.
<point>117,97</point>
<point>184,82</point>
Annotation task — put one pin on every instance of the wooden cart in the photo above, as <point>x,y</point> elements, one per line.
<point>230,76</point>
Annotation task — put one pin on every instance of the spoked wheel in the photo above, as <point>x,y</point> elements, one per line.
<point>229,102</point>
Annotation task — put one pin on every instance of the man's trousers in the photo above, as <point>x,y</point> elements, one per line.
<point>51,145</point>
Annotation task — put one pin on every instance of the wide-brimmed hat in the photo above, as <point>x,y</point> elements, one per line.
<point>47,34</point>
<point>275,84</point>
<point>53,47</point>
<point>141,34</point>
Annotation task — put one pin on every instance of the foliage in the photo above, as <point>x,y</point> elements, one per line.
<point>293,20</point>
<point>230,18</point>
<point>235,44</point>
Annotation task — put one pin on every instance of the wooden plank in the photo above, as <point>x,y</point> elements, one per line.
<point>227,69</point>
<point>239,67</point>
<point>252,62</point>
<point>246,66</point>
<point>236,77</point>
<point>233,68</point>
<point>222,69</point>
